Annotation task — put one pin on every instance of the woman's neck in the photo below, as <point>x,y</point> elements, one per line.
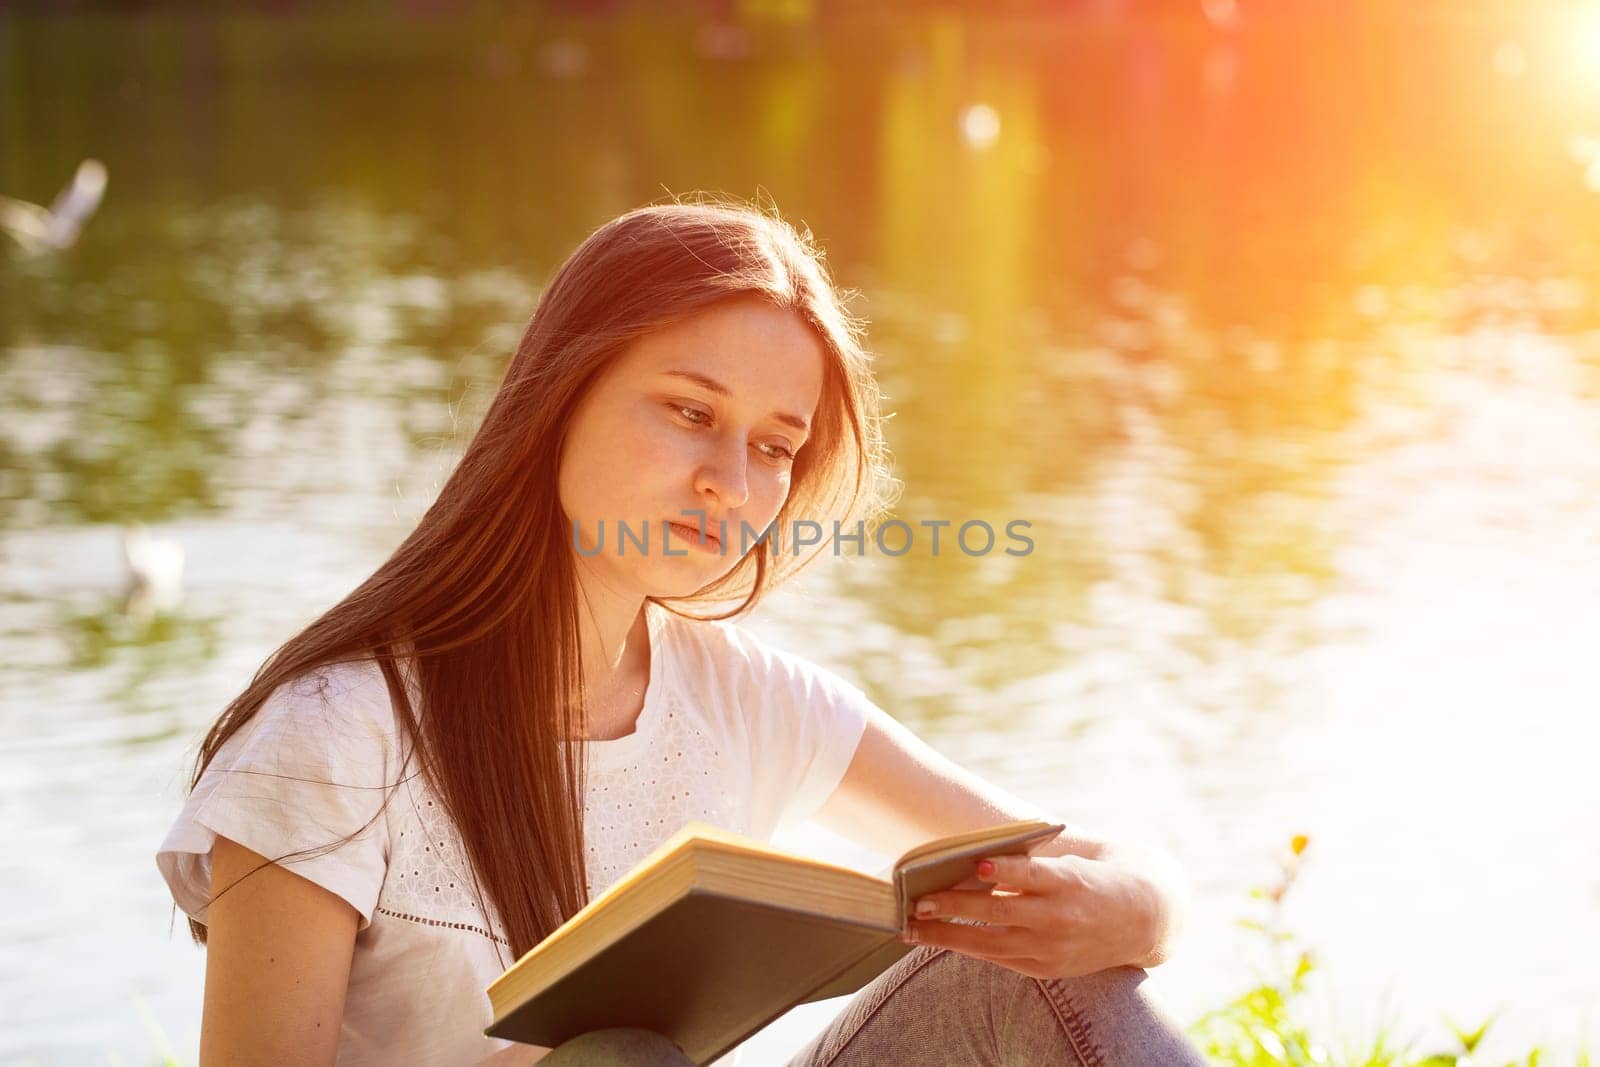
<point>616,652</point>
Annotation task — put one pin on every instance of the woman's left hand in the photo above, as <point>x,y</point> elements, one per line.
<point>1049,916</point>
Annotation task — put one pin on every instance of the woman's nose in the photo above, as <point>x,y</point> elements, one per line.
<point>724,475</point>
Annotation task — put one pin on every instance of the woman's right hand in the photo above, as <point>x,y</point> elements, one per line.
<point>278,951</point>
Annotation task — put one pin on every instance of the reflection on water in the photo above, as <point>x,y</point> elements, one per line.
<point>1282,335</point>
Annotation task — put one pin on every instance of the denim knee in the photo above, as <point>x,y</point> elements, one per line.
<point>621,1046</point>
<point>1114,1016</point>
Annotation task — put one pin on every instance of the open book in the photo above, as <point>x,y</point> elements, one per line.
<point>714,935</point>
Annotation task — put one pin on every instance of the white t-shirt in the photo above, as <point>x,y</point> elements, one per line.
<point>733,732</point>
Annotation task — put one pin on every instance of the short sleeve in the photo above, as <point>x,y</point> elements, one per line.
<point>314,765</point>
<point>804,723</point>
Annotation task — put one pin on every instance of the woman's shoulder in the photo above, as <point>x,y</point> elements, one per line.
<point>351,682</point>
<point>346,704</point>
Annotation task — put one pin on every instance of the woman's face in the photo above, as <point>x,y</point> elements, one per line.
<point>695,424</point>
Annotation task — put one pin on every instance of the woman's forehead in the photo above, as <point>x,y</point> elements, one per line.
<point>751,350</point>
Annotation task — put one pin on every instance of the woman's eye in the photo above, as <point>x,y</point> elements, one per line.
<point>701,418</point>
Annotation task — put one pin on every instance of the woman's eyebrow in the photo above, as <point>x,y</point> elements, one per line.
<point>722,390</point>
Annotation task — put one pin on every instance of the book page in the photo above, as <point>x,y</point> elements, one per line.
<point>958,843</point>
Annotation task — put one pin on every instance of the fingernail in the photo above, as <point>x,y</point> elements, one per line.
<point>985,869</point>
<point>925,908</point>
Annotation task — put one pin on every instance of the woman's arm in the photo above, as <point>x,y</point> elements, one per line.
<point>899,792</point>
<point>278,951</point>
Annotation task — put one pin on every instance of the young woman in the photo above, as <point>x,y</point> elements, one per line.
<point>517,707</point>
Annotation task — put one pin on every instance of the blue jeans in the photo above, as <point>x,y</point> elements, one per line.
<point>938,1007</point>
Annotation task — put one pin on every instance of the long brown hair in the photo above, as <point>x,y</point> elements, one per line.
<point>480,602</point>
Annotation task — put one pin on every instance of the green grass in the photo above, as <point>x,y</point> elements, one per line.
<point>1265,1026</point>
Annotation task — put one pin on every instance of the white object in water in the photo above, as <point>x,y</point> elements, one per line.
<point>51,229</point>
<point>155,572</point>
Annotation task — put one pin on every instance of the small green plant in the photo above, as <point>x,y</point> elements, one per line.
<point>1263,1027</point>
<point>1259,1027</point>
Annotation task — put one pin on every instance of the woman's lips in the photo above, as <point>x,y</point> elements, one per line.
<point>692,534</point>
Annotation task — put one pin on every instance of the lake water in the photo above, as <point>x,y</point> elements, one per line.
<point>1283,333</point>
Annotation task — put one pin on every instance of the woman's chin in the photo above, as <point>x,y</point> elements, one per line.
<point>682,576</point>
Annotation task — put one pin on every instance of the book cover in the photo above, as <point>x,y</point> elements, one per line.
<point>714,935</point>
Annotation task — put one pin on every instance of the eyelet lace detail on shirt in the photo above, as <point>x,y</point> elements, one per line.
<point>428,870</point>
<point>632,807</point>
<point>440,922</point>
